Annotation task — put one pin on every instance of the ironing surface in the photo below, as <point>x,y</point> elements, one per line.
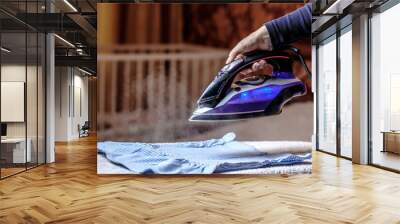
<point>200,157</point>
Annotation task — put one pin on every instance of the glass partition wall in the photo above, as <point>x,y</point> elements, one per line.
<point>345,92</point>
<point>13,90</point>
<point>385,89</point>
<point>22,98</point>
<point>326,110</point>
<point>334,94</point>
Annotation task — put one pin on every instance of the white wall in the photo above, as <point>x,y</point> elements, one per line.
<point>16,73</point>
<point>62,81</point>
<point>71,87</point>
<point>33,126</point>
<point>80,84</point>
<point>13,73</point>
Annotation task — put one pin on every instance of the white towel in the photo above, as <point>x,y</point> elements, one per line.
<point>276,147</point>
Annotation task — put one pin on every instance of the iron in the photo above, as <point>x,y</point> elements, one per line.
<point>261,95</point>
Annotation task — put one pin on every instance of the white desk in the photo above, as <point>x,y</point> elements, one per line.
<point>18,151</point>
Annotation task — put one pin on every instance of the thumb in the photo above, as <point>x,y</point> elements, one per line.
<point>232,55</point>
<point>237,50</point>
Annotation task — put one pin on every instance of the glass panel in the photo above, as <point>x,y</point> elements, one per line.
<point>346,94</point>
<point>13,89</point>
<point>385,84</point>
<point>41,98</point>
<point>32,86</point>
<point>31,100</point>
<point>327,96</point>
<point>22,88</point>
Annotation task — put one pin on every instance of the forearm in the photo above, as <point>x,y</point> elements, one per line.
<point>290,28</point>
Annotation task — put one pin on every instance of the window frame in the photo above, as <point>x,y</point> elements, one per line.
<point>380,9</point>
<point>335,36</point>
<point>27,29</point>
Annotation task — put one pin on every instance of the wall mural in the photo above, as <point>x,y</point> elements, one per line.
<point>155,61</point>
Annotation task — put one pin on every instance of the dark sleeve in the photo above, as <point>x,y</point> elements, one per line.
<point>291,27</point>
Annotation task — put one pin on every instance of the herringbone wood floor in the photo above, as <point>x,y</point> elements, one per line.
<point>69,191</point>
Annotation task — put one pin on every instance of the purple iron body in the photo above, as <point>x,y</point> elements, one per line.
<point>256,96</point>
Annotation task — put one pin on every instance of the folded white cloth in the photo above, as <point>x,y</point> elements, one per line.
<point>276,147</point>
<point>277,170</point>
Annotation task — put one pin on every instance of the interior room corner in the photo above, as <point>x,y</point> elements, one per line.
<point>68,83</point>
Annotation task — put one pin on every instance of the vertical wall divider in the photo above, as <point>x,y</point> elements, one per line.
<point>69,91</point>
<point>369,77</point>
<point>26,86</point>
<point>37,90</point>
<point>338,76</point>
<point>73,92</point>
<point>44,70</point>
<point>44,81</point>
<point>360,91</point>
<point>316,97</point>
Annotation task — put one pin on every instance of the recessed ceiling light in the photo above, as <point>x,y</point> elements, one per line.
<point>5,50</point>
<point>337,7</point>
<point>84,71</point>
<point>70,5</point>
<point>65,41</point>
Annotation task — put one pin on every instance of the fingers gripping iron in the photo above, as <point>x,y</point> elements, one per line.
<point>252,97</point>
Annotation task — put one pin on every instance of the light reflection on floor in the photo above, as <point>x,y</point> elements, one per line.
<point>386,159</point>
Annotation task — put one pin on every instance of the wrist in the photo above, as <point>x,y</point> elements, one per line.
<point>264,39</point>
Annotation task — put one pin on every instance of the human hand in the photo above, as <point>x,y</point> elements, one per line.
<point>258,40</point>
<point>259,68</point>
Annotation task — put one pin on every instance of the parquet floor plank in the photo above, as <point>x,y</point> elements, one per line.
<point>70,191</point>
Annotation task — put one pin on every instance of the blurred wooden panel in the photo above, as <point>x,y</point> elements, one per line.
<point>217,25</point>
<point>176,21</point>
<point>223,25</point>
<point>137,25</point>
<point>108,24</point>
<point>92,85</point>
<point>140,23</point>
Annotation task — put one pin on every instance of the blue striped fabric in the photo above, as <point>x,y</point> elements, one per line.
<point>200,157</point>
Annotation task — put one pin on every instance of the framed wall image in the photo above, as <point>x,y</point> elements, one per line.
<point>150,82</point>
<point>12,101</point>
